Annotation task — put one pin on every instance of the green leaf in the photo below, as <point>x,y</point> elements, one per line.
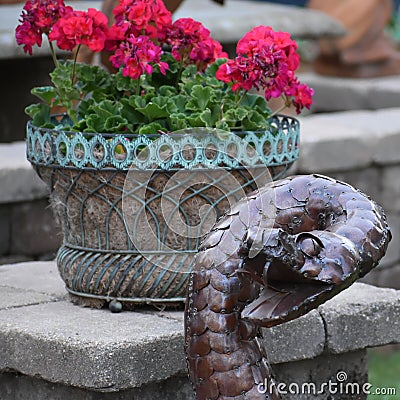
<point>115,123</point>
<point>124,83</point>
<point>61,75</point>
<point>80,126</point>
<point>129,111</point>
<point>107,108</point>
<point>254,121</point>
<point>167,90</point>
<point>85,106</point>
<point>236,115</point>
<point>95,123</point>
<point>213,68</point>
<point>180,102</point>
<point>255,101</point>
<point>45,93</point>
<point>206,117</point>
<point>200,98</point>
<point>222,125</point>
<point>195,120</point>
<point>102,117</point>
<point>93,77</point>
<point>40,114</point>
<point>152,128</point>
<point>153,111</point>
<point>178,121</point>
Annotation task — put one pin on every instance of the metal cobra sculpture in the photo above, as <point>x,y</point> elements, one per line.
<point>260,268</point>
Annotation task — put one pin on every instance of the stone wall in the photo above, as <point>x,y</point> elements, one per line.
<point>51,349</point>
<point>359,147</point>
<point>28,230</point>
<point>363,149</point>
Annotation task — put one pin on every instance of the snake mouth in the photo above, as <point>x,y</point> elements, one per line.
<point>288,294</point>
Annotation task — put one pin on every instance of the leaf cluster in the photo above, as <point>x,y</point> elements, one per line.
<point>97,101</point>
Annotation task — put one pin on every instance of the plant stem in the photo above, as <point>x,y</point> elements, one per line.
<point>53,53</point>
<point>278,111</point>
<point>138,87</point>
<point>178,78</point>
<point>74,65</point>
<point>241,97</point>
<point>285,105</point>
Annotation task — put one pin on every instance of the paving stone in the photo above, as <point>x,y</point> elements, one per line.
<point>104,352</point>
<point>34,230</point>
<point>389,277</point>
<point>40,277</point>
<point>337,94</point>
<point>349,140</point>
<point>391,189</point>
<point>392,255</point>
<point>14,259</point>
<point>372,278</point>
<point>95,349</point>
<point>327,146</point>
<point>312,331</point>
<point>20,387</point>
<point>11,297</point>
<point>310,379</point>
<point>361,316</point>
<point>310,375</point>
<point>388,150</point>
<point>18,181</point>
<point>378,122</point>
<point>5,229</point>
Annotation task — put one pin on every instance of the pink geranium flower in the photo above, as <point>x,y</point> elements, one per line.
<point>137,55</point>
<point>74,28</point>
<point>191,43</point>
<point>143,17</point>
<point>38,18</point>
<point>267,61</point>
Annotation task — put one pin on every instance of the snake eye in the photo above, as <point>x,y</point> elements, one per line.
<point>309,247</point>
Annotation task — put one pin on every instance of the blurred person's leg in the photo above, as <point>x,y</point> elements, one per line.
<point>365,51</point>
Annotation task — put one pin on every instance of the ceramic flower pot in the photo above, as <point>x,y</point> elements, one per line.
<point>133,209</point>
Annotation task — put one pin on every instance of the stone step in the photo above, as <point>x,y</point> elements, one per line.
<point>339,94</point>
<point>77,352</point>
<point>18,181</point>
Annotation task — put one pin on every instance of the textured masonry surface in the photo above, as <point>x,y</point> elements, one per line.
<point>43,335</point>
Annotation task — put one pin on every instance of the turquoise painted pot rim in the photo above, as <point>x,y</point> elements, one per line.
<point>198,148</point>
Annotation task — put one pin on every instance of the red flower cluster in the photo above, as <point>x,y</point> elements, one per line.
<point>136,55</point>
<point>37,19</point>
<point>81,27</point>
<point>267,60</point>
<point>192,43</point>
<point>141,17</point>
<point>139,24</point>
<point>300,94</point>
